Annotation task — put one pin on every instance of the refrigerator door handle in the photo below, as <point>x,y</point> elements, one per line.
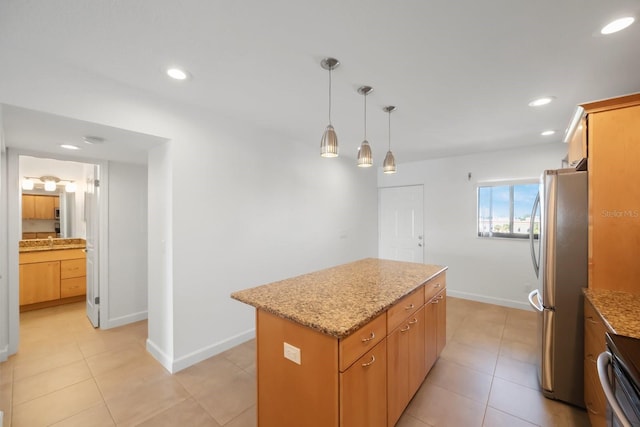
<point>534,260</point>
<point>535,304</point>
<point>604,360</point>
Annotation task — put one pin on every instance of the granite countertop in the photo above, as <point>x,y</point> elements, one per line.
<point>620,310</point>
<point>339,300</point>
<point>37,245</point>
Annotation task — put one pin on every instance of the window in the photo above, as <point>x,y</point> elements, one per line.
<point>504,210</point>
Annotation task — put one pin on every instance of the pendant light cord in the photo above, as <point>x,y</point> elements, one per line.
<point>389,130</point>
<point>365,116</point>
<point>330,68</point>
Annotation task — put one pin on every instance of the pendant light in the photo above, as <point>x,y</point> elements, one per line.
<point>329,141</point>
<point>389,165</point>
<point>365,159</point>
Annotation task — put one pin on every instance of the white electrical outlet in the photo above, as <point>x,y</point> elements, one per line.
<point>292,353</point>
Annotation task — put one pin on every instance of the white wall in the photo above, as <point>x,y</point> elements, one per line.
<point>4,288</point>
<point>241,205</point>
<point>127,285</point>
<point>491,270</point>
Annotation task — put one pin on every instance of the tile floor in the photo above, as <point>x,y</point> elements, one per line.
<point>68,374</point>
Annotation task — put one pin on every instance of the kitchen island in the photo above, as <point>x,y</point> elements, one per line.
<point>346,346</point>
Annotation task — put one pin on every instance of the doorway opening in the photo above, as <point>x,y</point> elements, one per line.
<point>58,262</point>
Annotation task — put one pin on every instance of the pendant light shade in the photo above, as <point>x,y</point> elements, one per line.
<point>329,141</point>
<point>389,165</point>
<point>365,158</point>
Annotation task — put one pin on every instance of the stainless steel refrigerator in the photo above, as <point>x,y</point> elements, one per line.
<point>559,258</point>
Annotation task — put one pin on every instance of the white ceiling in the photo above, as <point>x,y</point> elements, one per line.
<point>460,72</point>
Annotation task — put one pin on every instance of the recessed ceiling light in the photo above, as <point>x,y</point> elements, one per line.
<point>548,132</point>
<point>177,73</point>
<point>69,147</point>
<point>93,140</point>
<point>617,25</point>
<point>541,101</point>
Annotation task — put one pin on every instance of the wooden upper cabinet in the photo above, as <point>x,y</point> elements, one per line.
<point>614,193</point>
<point>28,206</point>
<point>578,143</point>
<point>38,207</point>
<point>45,207</point>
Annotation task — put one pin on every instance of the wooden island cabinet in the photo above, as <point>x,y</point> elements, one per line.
<point>347,346</point>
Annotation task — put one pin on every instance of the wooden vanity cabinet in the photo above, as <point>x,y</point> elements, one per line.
<point>39,282</point>
<point>594,344</point>
<point>73,280</point>
<point>51,277</point>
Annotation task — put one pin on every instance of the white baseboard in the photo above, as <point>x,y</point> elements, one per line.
<point>184,362</point>
<point>523,305</point>
<point>4,355</point>
<point>159,355</point>
<point>122,320</point>
<point>207,352</point>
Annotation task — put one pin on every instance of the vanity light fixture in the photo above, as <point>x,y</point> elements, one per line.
<point>365,158</point>
<point>548,132</point>
<point>69,147</point>
<point>27,184</point>
<point>389,164</point>
<point>70,187</point>
<point>617,25</point>
<point>48,183</point>
<point>539,102</point>
<point>329,141</point>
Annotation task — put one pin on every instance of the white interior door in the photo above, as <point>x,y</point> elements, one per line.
<point>91,200</point>
<point>400,223</point>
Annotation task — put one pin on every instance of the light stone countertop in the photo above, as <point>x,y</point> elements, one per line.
<point>620,310</point>
<point>37,245</point>
<point>338,300</point>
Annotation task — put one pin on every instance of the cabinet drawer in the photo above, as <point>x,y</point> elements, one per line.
<point>73,268</point>
<point>362,340</point>
<point>73,287</point>
<point>433,286</point>
<point>404,308</point>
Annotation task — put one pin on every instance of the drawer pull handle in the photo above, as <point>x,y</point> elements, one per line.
<point>370,337</point>
<point>410,307</point>
<point>591,410</point>
<point>438,285</point>
<point>590,319</point>
<point>413,322</point>
<point>369,363</point>
<point>405,329</point>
